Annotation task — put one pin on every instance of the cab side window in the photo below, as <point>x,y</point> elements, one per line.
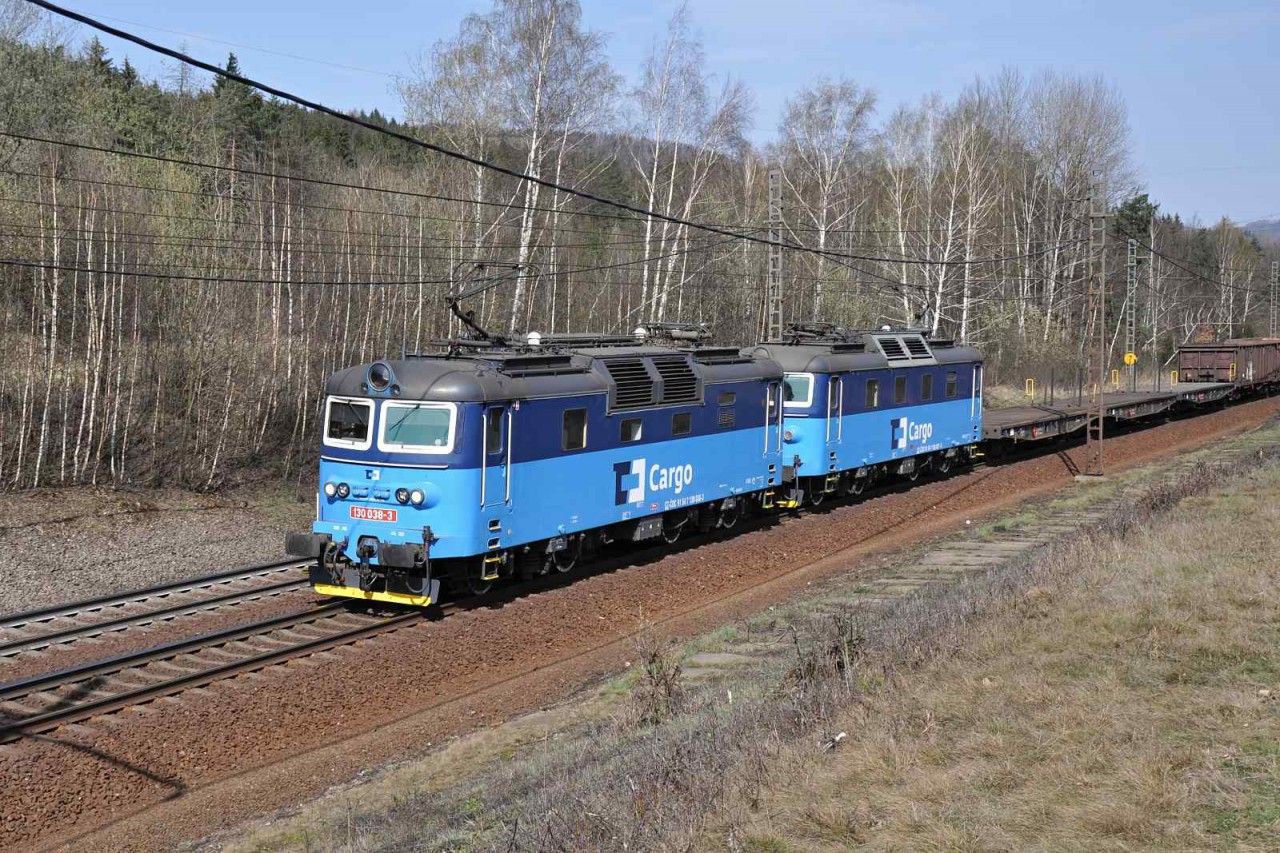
<point>926,387</point>
<point>493,430</point>
<point>951,383</point>
<point>573,430</point>
<point>873,393</point>
<point>899,390</point>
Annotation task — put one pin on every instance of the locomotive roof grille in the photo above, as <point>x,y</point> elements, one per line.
<point>679,382</point>
<point>905,349</point>
<point>893,349</point>
<point>633,386</point>
<point>916,346</point>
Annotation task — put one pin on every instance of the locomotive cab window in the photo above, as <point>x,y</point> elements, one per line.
<point>951,383</point>
<point>631,429</point>
<point>926,387</point>
<point>873,393</point>
<point>727,398</point>
<point>899,390</point>
<point>493,430</point>
<point>573,430</point>
<point>417,427</point>
<point>347,423</point>
<point>681,423</point>
<point>797,390</point>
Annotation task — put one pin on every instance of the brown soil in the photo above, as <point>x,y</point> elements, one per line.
<point>152,777</point>
<point>137,637</point>
<point>63,544</point>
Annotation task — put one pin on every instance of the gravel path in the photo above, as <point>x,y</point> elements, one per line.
<point>209,759</point>
<point>59,545</point>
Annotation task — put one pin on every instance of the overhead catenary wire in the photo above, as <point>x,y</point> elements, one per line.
<point>480,162</point>
<point>18,262</point>
<point>305,179</point>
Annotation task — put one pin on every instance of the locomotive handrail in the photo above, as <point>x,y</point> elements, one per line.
<point>840,412</point>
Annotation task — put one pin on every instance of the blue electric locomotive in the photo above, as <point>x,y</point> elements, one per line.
<point>863,405</point>
<point>487,461</point>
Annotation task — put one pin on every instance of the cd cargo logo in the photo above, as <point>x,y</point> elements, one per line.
<point>630,483</point>
<point>905,433</point>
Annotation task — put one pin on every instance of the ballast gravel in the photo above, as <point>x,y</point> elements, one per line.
<point>65,544</point>
<point>156,776</point>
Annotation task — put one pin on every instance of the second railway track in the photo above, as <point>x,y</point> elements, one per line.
<point>38,629</point>
<point>38,704</point>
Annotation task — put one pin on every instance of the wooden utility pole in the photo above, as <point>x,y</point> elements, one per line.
<point>1098,304</point>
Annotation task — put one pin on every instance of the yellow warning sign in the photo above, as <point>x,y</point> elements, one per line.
<point>1130,359</point>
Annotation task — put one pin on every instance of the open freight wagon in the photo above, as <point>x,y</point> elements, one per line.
<point>1245,362</point>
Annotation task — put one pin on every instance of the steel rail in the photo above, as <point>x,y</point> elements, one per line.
<point>44,721</point>
<point>77,632</point>
<point>135,596</point>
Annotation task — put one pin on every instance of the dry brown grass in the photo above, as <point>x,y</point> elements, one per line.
<point>1133,707</point>
<point>1010,709</point>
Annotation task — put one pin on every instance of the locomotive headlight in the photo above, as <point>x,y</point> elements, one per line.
<point>330,489</point>
<point>417,497</point>
<point>343,490</point>
<point>402,495</point>
<point>379,376</point>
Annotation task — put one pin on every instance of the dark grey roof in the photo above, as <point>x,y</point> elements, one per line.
<point>841,358</point>
<point>528,374</point>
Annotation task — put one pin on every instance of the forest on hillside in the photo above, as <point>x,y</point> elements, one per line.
<point>182,261</point>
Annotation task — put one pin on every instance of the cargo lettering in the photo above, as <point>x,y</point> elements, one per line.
<point>675,477</point>
<point>905,431</point>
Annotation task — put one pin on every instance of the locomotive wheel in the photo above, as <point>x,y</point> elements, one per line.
<point>856,486</point>
<point>943,465</point>
<point>672,530</point>
<point>730,516</point>
<point>476,584</point>
<point>816,494</point>
<point>566,560</point>
<point>915,473</point>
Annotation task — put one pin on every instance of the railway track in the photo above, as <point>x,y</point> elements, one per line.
<point>43,702</point>
<point>38,629</point>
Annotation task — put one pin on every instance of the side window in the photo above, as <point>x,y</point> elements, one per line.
<point>899,390</point>
<point>727,398</point>
<point>681,423</point>
<point>926,387</point>
<point>493,430</point>
<point>573,432</point>
<point>873,393</point>
<point>631,429</point>
<point>951,383</point>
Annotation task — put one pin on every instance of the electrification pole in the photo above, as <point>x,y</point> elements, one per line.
<point>1275,284</point>
<point>773,286</point>
<point>1098,305</point>
<point>1131,315</point>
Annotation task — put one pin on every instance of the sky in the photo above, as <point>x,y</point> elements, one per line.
<point>1201,80</point>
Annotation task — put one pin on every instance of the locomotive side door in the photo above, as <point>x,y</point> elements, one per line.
<point>835,415</point>
<point>495,463</point>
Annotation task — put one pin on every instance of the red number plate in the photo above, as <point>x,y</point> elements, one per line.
<point>372,513</point>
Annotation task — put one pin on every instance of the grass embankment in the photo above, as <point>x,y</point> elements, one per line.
<point>1089,672</point>
<point>1132,705</point>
